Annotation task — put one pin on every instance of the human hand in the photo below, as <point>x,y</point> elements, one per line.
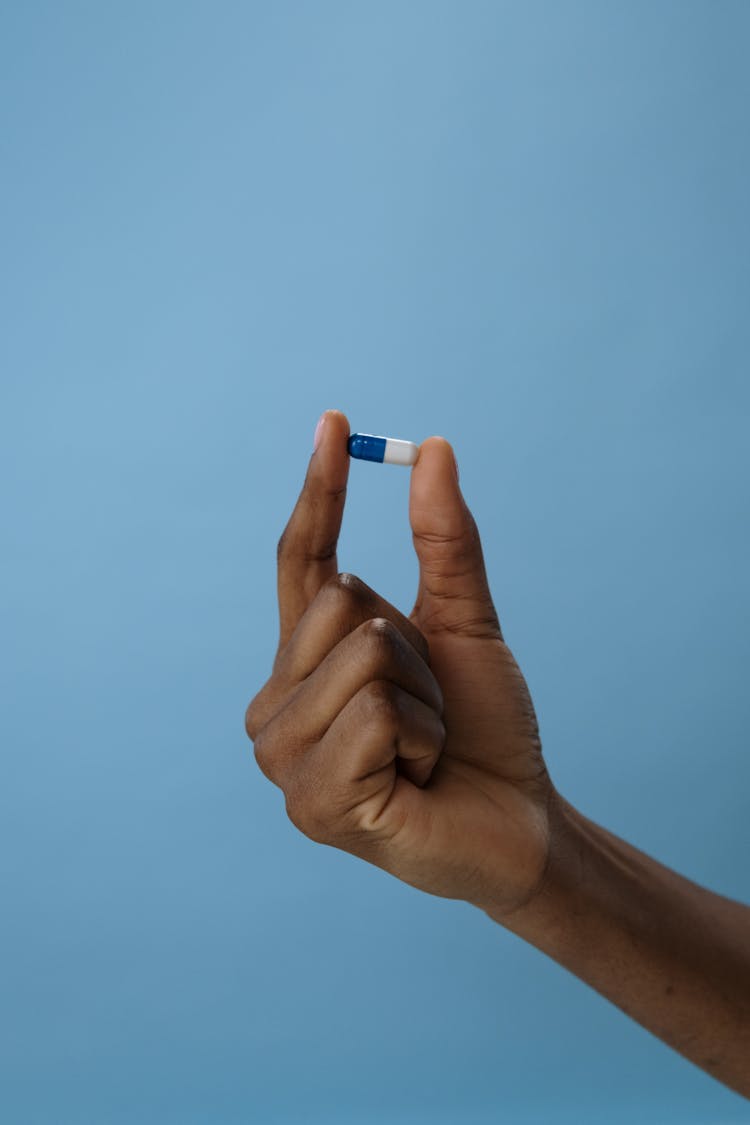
<point>412,742</point>
<point>409,741</point>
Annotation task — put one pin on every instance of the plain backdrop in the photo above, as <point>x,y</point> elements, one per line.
<point>521,225</point>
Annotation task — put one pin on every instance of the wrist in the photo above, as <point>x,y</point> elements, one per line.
<point>541,915</point>
<point>595,890</point>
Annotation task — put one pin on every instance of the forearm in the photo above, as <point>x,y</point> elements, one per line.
<point>674,956</point>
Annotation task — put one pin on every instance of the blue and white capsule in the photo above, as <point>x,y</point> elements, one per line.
<point>392,451</point>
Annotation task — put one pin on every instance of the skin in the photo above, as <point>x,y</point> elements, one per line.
<point>412,742</point>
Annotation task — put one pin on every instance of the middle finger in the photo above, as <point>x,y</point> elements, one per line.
<point>375,651</point>
<point>341,606</point>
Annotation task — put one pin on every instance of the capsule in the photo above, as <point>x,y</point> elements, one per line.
<point>393,451</point>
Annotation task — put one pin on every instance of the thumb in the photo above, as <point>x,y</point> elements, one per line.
<point>453,594</point>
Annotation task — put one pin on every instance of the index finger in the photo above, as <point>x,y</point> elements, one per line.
<point>307,549</point>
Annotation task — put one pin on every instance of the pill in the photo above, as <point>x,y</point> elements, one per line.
<point>367,447</point>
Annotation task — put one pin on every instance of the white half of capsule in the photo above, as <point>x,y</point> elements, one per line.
<point>399,452</point>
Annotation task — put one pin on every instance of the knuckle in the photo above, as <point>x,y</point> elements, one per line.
<point>307,812</point>
<point>346,581</point>
<point>347,589</point>
<point>272,753</point>
<point>283,543</point>
<point>321,552</point>
<point>378,630</point>
<point>259,711</point>
<point>381,636</point>
<point>263,753</point>
<point>345,598</point>
<point>252,720</point>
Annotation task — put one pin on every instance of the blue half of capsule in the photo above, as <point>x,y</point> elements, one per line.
<point>366,447</point>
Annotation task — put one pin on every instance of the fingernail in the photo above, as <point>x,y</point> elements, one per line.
<point>318,432</point>
<point>455,464</point>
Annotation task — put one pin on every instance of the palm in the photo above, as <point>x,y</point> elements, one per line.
<point>485,802</point>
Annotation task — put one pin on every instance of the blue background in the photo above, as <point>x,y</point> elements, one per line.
<point>524,226</point>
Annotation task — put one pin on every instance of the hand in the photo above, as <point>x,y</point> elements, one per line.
<point>409,741</point>
<point>412,742</point>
